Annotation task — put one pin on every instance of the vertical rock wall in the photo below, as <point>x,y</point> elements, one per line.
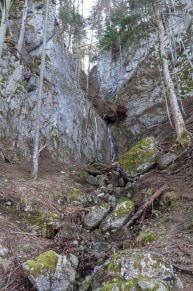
<point>69,124</point>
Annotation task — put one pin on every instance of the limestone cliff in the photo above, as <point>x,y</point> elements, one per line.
<point>133,78</point>
<point>70,127</point>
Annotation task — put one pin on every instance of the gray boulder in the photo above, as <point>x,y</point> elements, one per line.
<point>165,160</point>
<point>96,215</point>
<point>140,270</point>
<point>51,271</point>
<point>119,216</point>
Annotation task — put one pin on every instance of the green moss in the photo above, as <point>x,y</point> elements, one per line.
<point>57,139</point>
<point>75,193</point>
<point>134,284</point>
<point>2,96</point>
<point>3,81</point>
<point>114,267</point>
<point>143,152</point>
<point>1,113</point>
<point>37,1</point>
<point>24,83</point>
<point>18,90</point>
<point>45,221</point>
<point>170,198</point>
<point>146,236</point>
<point>45,262</point>
<point>124,208</point>
<point>137,265</point>
<point>36,63</point>
<point>12,67</point>
<point>185,141</point>
<point>186,82</point>
<point>123,285</point>
<point>47,58</point>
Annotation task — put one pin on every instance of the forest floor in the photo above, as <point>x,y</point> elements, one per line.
<point>169,225</point>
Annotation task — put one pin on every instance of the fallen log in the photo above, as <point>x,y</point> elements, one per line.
<point>146,205</point>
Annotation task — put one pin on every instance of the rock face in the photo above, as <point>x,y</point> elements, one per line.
<point>51,271</point>
<point>140,157</point>
<point>133,79</point>
<point>112,74</point>
<point>69,124</point>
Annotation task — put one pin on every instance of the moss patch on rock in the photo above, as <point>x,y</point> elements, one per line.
<point>124,207</point>
<point>120,284</point>
<point>129,264</point>
<point>45,262</point>
<point>140,157</point>
<point>75,193</point>
<point>47,223</point>
<point>119,216</point>
<point>143,283</point>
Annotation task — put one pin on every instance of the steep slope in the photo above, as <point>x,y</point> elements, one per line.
<point>49,214</point>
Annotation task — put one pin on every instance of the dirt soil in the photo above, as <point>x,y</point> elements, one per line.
<point>170,221</point>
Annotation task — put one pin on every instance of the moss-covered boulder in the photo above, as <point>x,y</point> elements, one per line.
<point>119,216</point>
<point>140,158</point>
<point>51,271</point>
<point>140,270</point>
<point>43,223</point>
<point>136,285</point>
<point>96,215</point>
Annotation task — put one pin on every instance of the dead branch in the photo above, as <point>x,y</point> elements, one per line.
<point>147,205</point>
<point>47,142</point>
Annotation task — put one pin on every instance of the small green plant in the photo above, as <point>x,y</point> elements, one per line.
<point>146,236</point>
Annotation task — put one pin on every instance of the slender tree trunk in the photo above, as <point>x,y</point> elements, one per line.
<point>4,22</point>
<point>89,59</point>
<point>35,159</point>
<point>3,29</point>
<point>177,116</point>
<point>22,30</point>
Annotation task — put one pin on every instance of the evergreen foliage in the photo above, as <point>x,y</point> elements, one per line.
<point>124,30</point>
<point>71,19</point>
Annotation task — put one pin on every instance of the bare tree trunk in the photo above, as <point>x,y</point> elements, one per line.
<point>89,60</point>
<point>177,116</point>
<point>35,159</point>
<point>22,30</point>
<point>4,7</point>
